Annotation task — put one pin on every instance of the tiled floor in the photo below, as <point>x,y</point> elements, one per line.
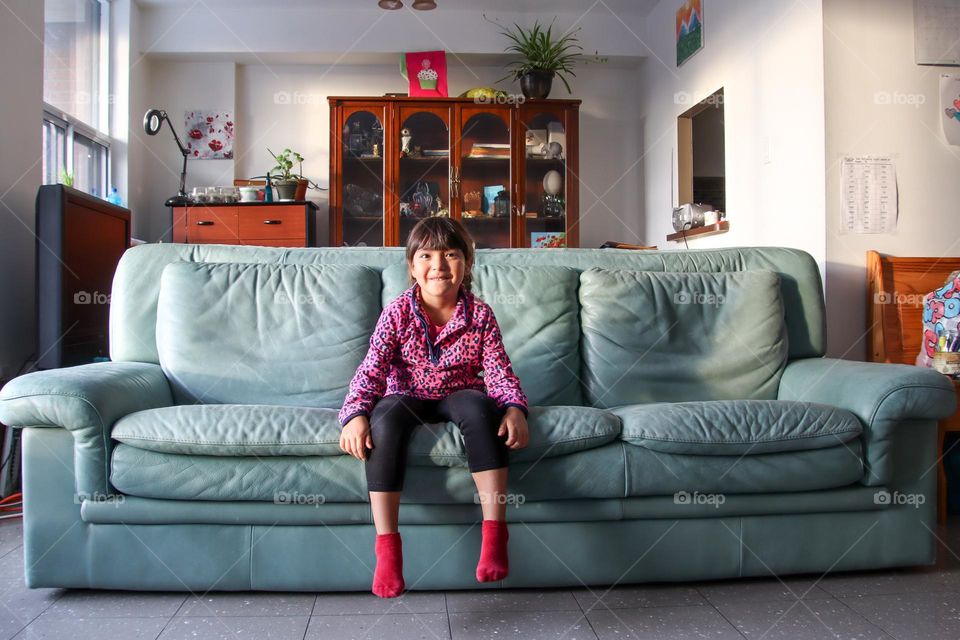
<point>910,603</point>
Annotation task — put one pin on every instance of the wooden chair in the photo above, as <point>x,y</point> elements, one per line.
<point>895,291</point>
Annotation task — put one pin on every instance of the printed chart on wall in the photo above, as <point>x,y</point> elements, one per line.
<point>869,194</point>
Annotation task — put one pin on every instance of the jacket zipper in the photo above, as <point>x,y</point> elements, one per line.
<point>434,351</point>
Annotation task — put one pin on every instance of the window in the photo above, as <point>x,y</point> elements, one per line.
<point>76,94</point>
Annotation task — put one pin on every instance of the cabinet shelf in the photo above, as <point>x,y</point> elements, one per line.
<point>460,128</point>
<point>721,227</point>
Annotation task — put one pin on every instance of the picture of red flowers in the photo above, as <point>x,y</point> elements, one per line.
<point>209,134</point>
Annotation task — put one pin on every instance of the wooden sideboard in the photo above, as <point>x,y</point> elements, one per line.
<point>268,224</point>
<point>895,290</point>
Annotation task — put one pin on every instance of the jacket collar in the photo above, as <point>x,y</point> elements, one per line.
<point>462,315</point>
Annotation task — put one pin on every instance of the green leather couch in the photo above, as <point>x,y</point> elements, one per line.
<point>684,426</point>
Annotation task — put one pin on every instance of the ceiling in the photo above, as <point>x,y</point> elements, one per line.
<point>621,7</point>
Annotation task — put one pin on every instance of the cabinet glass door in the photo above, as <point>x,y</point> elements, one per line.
<point>482,182</point>
<point>363,180</point>
<point>545,180</point>
<point>423,180</point>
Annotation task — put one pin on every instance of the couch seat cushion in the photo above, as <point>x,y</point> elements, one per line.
<point>277,430</point>
<point>675,337</point>
<point>737,427</point>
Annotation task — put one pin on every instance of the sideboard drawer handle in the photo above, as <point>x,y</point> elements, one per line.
<point>272,221</point>
<point>204,223</point>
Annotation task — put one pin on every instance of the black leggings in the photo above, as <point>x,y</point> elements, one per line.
<point>395,416</point>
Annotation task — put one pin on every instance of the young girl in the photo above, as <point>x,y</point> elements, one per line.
<point>424,365</point>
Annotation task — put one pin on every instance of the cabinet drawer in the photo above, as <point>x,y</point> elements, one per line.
<point>277,242</point>
<point>272,222</point>
<point>211,223</point>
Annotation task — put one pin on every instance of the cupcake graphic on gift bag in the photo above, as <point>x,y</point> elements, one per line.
<point>427,77</point>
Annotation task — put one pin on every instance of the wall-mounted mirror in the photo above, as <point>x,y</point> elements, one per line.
<point>701,164</point>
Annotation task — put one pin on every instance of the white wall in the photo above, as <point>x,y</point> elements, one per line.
<point>768,57</point>
<point>21,116</point>
<point>176,87</point>
<point>868,55</point>
<point>607,123</point>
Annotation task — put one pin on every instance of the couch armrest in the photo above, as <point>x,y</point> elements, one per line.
<point>880,395</point>
<point>86,400</point>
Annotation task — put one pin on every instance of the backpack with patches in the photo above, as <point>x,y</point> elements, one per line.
<point>941,316</point>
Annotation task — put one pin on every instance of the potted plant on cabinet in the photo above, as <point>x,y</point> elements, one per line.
<point>289,185</point>
<point>544,56</point>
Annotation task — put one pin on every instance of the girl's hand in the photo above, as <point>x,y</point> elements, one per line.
<point>355,435</point>
<point>514,425</point>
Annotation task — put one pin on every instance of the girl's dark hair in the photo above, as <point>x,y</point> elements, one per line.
<point>436,233</point>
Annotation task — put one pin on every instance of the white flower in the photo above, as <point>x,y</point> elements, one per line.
<point>427,74</point>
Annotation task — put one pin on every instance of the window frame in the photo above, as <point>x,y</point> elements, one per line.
<point>73,125</point>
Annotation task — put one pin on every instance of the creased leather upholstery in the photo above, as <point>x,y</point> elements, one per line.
<point>672,337</point>
<point>265,334</point>
<point>737,427</point>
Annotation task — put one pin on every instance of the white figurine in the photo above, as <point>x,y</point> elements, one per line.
<point>405,138</point>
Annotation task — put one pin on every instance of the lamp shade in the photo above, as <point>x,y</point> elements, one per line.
<point>391,5</point>
<point>424,5</point>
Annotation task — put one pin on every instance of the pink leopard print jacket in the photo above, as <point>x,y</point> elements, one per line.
<point>403,360</point>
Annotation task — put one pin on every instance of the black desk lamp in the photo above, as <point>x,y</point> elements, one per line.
<point>152,121</point>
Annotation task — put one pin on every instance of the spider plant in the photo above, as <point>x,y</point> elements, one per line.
<point>542,50</point>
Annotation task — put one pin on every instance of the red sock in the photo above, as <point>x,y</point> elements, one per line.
<point>493,563</point>
<point>388,576</point>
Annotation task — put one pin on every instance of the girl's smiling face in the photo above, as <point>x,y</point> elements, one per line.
<point>439,272</point>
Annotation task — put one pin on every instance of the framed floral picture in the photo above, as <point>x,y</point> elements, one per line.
<point>209,134</point>
<point>548,240</point>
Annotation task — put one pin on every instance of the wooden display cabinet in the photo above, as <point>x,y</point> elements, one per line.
<point>394,161</point>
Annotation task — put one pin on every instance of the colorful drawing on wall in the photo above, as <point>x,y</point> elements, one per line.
<point>548,240</point>
<point>209,134</point>
<point>425,72</point>
<point>950,104</point>
<point>689,29</point>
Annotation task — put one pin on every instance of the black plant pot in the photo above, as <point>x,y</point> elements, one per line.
<point>286,190</point>
<point>536,84</point>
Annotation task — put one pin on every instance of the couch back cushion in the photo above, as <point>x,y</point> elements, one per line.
<point>671,337</point>
<point>538,314</point>
<point>264,333</point>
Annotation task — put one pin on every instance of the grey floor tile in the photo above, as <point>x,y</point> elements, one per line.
<point>11,536</point>
<point>235,628</point>
<point>248,603</point>
<point>663,623</point>
<point>761,589</point>
<point>809,619</point>
<point>930,616</point>
<point>11,564</point>
<point>94,603</point>
<point>20,605</point>
<point>95,628</point>
<point>333,604</point>
<point>667,595</point>
<point>512,600</point>
<point>569,625</point>
<point>869,583</point>
<point>406,626</point>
